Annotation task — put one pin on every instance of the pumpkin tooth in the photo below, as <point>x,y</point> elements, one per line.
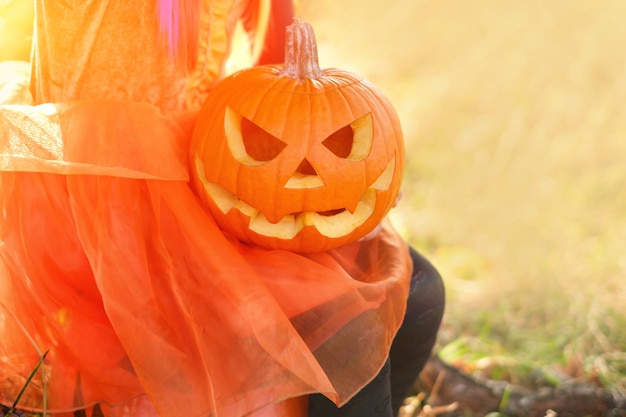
<point>383,181</point>
<point>224,199</point>
<point>344,222</point>
<point>353,206</point>
<point>246,209</point>
<point>287,228</point>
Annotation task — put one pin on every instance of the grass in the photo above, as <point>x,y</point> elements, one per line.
<point>515,186</point>
<point>12,410</point>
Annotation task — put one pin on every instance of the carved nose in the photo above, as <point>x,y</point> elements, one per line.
<point>304,177</point>
<point>305,168</point>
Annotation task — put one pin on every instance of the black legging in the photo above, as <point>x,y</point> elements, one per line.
<point>409,351</point>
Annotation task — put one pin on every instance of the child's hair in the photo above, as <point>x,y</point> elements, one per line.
<point>264,21</point>
<point>179,22</point>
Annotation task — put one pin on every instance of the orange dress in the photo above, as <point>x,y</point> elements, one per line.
<point>109,262</point>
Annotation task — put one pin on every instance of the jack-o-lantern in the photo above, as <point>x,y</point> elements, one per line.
<point>294,157</point>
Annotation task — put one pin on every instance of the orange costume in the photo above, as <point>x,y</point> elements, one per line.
<point>109,262</point>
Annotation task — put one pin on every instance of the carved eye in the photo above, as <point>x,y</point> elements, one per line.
<point>353,141</point>
<point>250,144</point>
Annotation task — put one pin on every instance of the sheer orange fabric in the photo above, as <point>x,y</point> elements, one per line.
<point>108,261</point>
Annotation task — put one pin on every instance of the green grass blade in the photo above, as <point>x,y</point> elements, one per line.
<point>30,377</point>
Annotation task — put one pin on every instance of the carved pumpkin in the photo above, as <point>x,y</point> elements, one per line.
<point>297,158</point>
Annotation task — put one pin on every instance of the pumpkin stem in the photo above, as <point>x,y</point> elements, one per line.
<point>301,52</point>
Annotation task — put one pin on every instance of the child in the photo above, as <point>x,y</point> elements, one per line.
<point>109,263</point>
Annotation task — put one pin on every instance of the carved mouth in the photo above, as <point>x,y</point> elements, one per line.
<point>330,223</point>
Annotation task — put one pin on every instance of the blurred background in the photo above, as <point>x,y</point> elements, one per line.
<point>515,187</point>
<point>16,29</point>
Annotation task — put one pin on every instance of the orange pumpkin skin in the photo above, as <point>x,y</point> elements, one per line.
<point>305,162</point>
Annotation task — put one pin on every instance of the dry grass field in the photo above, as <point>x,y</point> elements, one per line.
<point>515,126</point>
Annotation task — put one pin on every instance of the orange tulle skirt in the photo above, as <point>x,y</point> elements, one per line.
<point>109,263</point>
